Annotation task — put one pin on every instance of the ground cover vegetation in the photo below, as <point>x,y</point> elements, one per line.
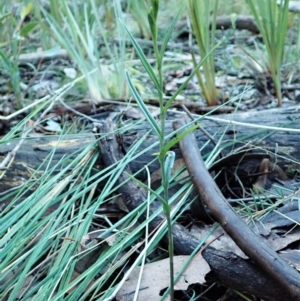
<point>69,229</point>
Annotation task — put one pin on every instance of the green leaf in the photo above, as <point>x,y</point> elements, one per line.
<point>147,188</point>
<point>26,29</point>
<point>143,59</point>
<point>155,8</point>
<point>4,16</point>
<point>169,163</point>
<point>175,140</point>
<point>25,10</point>
<point>152,25</point>
<point>169,32</point>
<point>142,105</point>
<point>6,62</point>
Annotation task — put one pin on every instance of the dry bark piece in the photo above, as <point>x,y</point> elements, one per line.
<point>36,57</point>
<point>225,22</point>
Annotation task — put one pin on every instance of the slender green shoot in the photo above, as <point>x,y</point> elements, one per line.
<point>166,160</point>
<point>80,32</point>
<point>166,157</point>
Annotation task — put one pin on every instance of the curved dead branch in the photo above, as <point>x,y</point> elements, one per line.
<point>250,244</point>
<point>227,268</point>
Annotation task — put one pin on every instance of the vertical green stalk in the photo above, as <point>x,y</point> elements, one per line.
<point>166,158</point>
<point>152,18</point>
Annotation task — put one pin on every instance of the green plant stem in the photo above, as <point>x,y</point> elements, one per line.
<point>167,211</point>
<point>171,255</point>
<point>165,180</point>
<point>166,158</point>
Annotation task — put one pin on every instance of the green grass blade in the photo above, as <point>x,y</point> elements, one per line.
<point>143,59</point>
<point>175,140</point>
<point>169,32</point>
<point>142,105</point>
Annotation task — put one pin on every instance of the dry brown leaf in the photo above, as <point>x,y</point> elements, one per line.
<point>262,179</point>
<point>292,257</point>
<point>156,278</point>
<point>277,242</point>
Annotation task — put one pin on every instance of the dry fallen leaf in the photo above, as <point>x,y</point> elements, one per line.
<point>278,243</point>
<point>156,275</point>
<point>292,257</point>
<point>262,179</point>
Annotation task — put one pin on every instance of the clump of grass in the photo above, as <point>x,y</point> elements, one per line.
<point>80,31</point>
<point>203,18</point>
<point>13,36</point>
<point>139,11</point>
<point>272,21</point>
<point>43,246</point>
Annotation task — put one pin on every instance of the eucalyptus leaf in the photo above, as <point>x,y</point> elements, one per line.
<point>27,28</point>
